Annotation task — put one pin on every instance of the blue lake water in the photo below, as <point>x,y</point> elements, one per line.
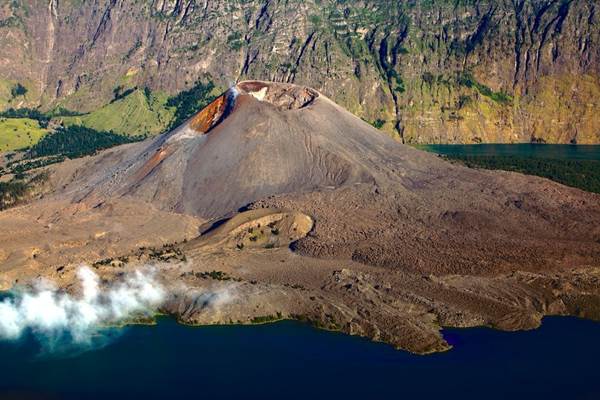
<point>294,361</point>
<point>555,151</point>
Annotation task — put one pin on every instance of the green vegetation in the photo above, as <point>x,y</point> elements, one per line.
<point>263,319</point>
<point>30,113</point>
<point>428,78</point>
<point>463,101</point>
<point>190,101</point>
<point>235,40</point>
<point>582,174</point>
<point>18,188</point>
<point>62,112</point>
<point>132,112</point>
<point>393,75</point>
<point>378,123</point>
<point>19,133</point>
<point>315,20</point>
<point>11,192</point>
<point>142,112</point>
<point>14,93</point>
<point>12,21</point>
<point>216,275</point>
<point>20,167</point>
<point>5,96</point>
<point>328,323</point>
<point>467,79</point>
<point>168,253</point>
<point>77,141</point>
<point>121,92</point>
<point>18,90</point>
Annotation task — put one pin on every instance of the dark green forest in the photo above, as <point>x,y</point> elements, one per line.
<point>582,174</point>
<point>77,141</point>
<point>42,118</point>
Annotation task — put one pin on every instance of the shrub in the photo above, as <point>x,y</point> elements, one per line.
<point>378,123</point>
<point>18,90</point>
<point>467,79</point>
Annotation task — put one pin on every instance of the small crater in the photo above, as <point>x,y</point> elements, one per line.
<point>282,95</point>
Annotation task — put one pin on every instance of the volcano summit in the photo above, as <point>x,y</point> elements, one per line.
<point>295,208</point>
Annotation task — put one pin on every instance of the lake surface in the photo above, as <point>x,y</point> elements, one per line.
<point>555,151</point>
<point>292,360</point>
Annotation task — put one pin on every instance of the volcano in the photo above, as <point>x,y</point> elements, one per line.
<point>256,140</point>
<point>312,213</point>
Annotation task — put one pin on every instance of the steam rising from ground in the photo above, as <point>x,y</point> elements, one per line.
<point>50,314</point>
<point>212,299</point>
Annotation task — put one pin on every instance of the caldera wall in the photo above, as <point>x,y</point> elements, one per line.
<point>425,71</point>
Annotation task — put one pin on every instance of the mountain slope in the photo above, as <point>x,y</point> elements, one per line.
<point>136,114</point>
<point>298,209</point>
<point>253,141</point>
<point>18,133</point>
<point>427,71</point>
<point>290,147</point>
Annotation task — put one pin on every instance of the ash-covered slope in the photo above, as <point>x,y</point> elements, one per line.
<point>374,200</point>
<point>345,227</point>
<point>256,140</point>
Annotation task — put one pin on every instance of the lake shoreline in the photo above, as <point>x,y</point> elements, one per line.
<point>551,363</point>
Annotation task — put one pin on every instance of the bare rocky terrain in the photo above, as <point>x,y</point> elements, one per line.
<point>277,203</point>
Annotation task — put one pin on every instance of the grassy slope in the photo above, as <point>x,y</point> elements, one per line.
<point>140,113</point>
<point>30,99</point>
<point>16,133</point>
<point>5,95</point>
<point>135,114</point>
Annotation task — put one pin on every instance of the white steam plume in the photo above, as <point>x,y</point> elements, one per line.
<point>212,299</point>
<point>50,314</point>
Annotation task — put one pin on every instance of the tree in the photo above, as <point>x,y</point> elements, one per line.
<point>189,102</point>
<point>18,90</point>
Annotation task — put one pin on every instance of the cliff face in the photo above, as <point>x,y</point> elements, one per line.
<point>426,71</point>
